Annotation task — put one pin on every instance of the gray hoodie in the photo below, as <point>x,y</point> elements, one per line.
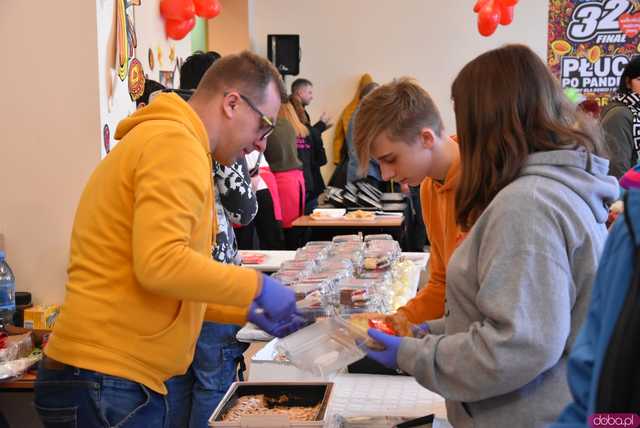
<point>518,288</point>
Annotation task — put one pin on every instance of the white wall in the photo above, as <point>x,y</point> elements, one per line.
<point>52,110</point>
<point>49,134</point>
<point>427,39</point>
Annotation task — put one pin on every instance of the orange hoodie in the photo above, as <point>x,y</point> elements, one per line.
<point>141,279</point>
<point>438,212</point>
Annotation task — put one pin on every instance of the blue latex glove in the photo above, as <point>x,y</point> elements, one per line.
<point>280,328</point>
<point>277,301</point>
<point>388,357</point>
<point>420,330</point>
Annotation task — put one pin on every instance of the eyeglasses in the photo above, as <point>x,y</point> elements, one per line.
<point>268,125</point>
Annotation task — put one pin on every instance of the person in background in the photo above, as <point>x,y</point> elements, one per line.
<point>399,125</point>
<point>373,171</point>
<point>591,107</point>
<point>621,121</point>
<point>312,155</point>
<point>150,86</point>
<point>603,371</point>
<point>218,353</point>
<point>267,226</point>
<point>282,154</point>
<point>631,179</point>
<point>141,279</point>
<point>587,104</point>
<point>533,196</point>
<point>340,153</point>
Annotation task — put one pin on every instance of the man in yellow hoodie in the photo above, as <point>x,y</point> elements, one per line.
<point>140,278</point>
<point>400,126</point>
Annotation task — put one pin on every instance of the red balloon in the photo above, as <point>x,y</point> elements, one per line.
<point>488,19</point>
<point>508,3</point>
<point>207,8</point>
<point>177,10</point>
<point>479,5</point>
<point>506,15</point>
<point>177,30</point>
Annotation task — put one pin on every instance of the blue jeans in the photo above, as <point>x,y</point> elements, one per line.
<point>213,370</point>
<point>71,397</point>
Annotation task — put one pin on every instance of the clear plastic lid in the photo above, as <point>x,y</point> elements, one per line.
<point>299,265</point>
<point>378,277</point>
<point>348,246</point>
<point>378,237</point>
<point>312,253</point>
<point>287,277</point>
<point>325,347</point>
<point>347,238</point>
<point>330,275</point>
<point>385,246</point>
<point>335,263</point>
<point>317,244</point>
<point>304,288</point>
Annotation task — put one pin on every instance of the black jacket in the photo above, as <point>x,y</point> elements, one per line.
<point>313,156</point>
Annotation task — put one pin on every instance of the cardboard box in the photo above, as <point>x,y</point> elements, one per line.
<point>41,317</point>
<point>315,393</point>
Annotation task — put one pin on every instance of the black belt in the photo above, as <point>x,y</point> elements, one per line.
<point>51,364</point>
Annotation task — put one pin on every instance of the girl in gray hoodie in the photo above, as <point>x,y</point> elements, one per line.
<point>533,197</point>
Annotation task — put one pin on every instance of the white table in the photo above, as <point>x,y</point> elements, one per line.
<point>356,394</point>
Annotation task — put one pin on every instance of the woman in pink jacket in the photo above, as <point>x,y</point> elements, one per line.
<point>282,155</point>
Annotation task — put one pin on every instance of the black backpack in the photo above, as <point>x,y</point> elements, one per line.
<point>619,384</point>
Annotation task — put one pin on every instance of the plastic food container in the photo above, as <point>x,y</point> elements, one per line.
<point>314,254</point>
<point>357,296</point>
<point>335,263</point>
<point>273,404</point>
<point>287,277</point>
<point>378,237</point>
<point>325,347</point>
<point>299,265</point>
<point>347,238</point>
<point>306,287</point>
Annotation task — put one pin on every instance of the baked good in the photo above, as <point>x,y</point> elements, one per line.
<point>260,405</point>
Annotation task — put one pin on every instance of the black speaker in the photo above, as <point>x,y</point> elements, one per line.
<point>283,50</point>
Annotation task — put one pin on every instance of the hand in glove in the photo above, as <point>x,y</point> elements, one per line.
<point>388,357</point>
<point>277,301</point>
<point>280,328</point>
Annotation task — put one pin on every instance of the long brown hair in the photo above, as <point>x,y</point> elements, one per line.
<point>288,112</point>
<point>507,106</point>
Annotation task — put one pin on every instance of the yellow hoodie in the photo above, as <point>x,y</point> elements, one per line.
<point>141,279</point>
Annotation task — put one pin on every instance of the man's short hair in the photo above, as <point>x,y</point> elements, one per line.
<point>194,68</point>
<point>401,108</point>
<point>299,84</point>
<point>150,86</point>
<point>246,72</point>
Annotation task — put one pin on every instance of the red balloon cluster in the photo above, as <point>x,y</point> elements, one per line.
<point>493,12</point>
<point>180,15</point>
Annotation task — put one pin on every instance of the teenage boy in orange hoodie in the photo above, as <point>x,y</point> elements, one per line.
<point>400,126</point>
<point>141,279</point>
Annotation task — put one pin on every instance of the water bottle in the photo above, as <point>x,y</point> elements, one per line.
<point>7,292</point>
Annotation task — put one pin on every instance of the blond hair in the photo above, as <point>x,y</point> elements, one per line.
<point>288,112</point>
<point>401,108</point>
